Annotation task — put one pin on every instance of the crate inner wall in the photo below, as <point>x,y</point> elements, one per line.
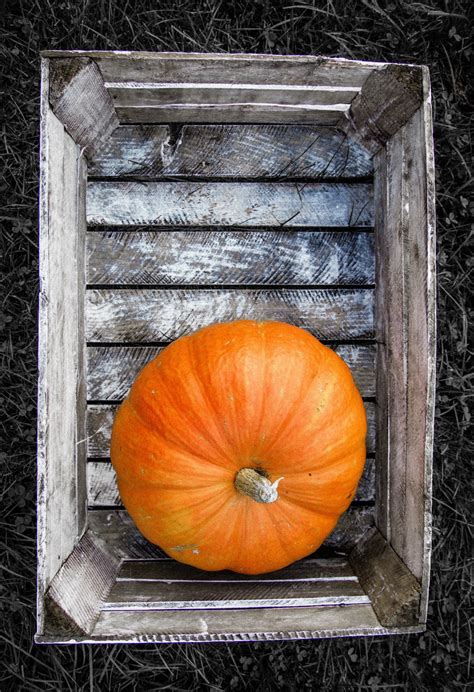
<point>225,222</point>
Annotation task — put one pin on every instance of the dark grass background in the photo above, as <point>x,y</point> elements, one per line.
<point>435,33</point>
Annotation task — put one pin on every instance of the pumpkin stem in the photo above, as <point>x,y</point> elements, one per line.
<point>253,484</point>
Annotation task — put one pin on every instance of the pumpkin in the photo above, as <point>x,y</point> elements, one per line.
<point>240,445</point>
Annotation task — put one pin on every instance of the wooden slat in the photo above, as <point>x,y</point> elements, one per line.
<point>230,257</point>
<point>408,478</point>
<point>112,369</point>
<point>61,452</point>
<point>79,99</point>
<point>428,308</point>
<point>152,94</point>
<point>238,113</point>
<point>232,151</point>
<point>127,595</point>
<point>228,102</point>
<point>103,491</point>
<point>310,570</point>
<point>382,315</point>
<point>263,624</point>
<point>388,99</point>
<point>396,316</point>
<point>163,315</point>
<point>406,328</point>
<point>393,590</point>
<point>100,418</point>
<point>229,204</point>
<point>232,68</point>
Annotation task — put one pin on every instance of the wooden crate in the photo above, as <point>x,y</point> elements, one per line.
<point>182,189</point>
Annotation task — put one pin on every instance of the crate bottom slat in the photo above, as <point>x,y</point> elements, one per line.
<point>250,624</point>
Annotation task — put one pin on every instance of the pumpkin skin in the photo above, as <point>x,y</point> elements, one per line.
<point>233,396</point>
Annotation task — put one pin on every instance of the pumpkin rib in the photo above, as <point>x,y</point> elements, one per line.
<point>179,445</point>
<point>198,431</point>
<point>206,397</point>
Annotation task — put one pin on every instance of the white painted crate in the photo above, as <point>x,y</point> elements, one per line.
<point>182,189</point>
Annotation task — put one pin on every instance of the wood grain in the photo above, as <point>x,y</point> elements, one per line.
<point>79,99</point>
<point>236,69</point>
<point>126,595</point>
<point>429,309</point>
<point>61,451</point>
<point>382,315</point>
<point>228,102</point>
<point>230,151</point>
<point>405,328</point>
<point>112,369</point>
<point>394,592</point>
<point>229,257</point>
<point>229,204</point>
<point>163,315</point>
<point>155,93</point>
<point>78,589</point>
<point>263,624</point>
<point>235,113</point>
<point>388,99</point>
<point>226,67</point>
<point>103,491</point>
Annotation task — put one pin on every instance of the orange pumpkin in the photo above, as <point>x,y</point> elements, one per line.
<point>240,445</point>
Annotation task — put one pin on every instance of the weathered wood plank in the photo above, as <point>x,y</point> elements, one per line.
<point>428,308</point>
<point>382,315</point>
<point>388,99</point>
<point>394,592</point>
<point>81,383</point>
<point>100,418</point>
<point>232,151</point>
<point>127,595</point>
<point>103,491</point>
<point>396,316</point>
<point>112,369</point>
<point>61,454</point>
<point>229,204</point>
<point>163,315</point>
<point>80,100</point>
<point>263,624</point>
<point>152,94</point>
<point>226,67</point>
<point>229,257</point>
<point>235,113</point>
<point>406,330</point>
<point>75,596</point>
<point>407,537</point>
<point>310,570</point>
